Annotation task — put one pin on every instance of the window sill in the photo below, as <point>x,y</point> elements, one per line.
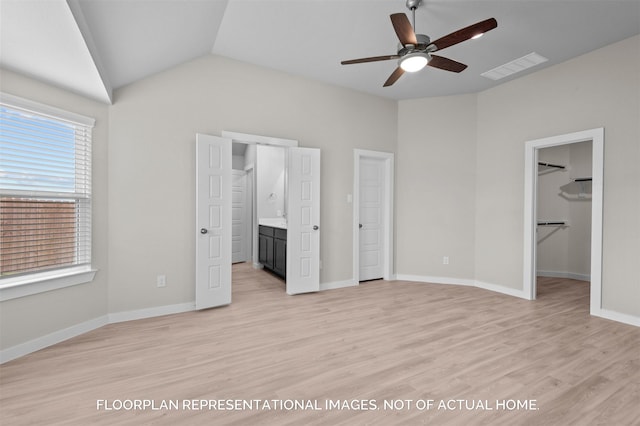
<point>27,285</point>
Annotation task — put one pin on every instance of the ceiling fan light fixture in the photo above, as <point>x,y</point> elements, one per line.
<point>415,61</point>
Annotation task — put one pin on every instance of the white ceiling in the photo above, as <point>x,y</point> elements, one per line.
<point>94,46</point>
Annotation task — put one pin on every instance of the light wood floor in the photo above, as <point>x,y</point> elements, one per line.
<point>379,341</point>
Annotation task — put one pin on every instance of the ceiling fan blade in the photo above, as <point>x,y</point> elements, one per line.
<point>403,28</point>
<point>371,59</point>
<point>465,33</point>
<point>393,77</point>
<point>446,64</point>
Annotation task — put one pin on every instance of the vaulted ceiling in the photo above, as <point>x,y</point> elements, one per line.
<point>93,47</point>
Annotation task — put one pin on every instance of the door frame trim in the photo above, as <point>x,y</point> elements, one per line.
<point>387,245</point>
<point>258,139</point>
<point>596,136</point>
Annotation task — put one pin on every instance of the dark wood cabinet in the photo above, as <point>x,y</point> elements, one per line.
<point>280,252</point>
<point>272,249</point>
<point>265,256</point>
<point>265,246</point>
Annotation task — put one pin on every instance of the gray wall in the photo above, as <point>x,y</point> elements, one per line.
<point>154,122</point>
<point>436,172</point>
<point>459,174</point>
<point>583,93</point>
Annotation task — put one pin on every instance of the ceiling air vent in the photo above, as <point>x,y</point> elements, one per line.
<point>515,66</point>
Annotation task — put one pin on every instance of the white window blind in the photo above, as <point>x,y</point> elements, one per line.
<point>45,187</point>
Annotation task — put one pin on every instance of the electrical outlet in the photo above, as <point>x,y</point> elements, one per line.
<point>161,281</point>
<point>445,260</point>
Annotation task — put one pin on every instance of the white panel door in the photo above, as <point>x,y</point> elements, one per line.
<point>371,218</point>
<point>238,216</point>
<point>213,221</point>
<point>303,220</point>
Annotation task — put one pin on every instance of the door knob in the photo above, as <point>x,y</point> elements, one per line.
<point>359,225</point>
<point>203,230</point>
<point>315,227</point>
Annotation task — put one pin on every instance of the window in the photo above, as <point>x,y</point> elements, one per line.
<point>45,191</point>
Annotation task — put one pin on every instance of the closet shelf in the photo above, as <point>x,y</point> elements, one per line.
<point>555,166</point>
<point>553,223</point>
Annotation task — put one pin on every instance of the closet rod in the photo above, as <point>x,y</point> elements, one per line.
<point>552,223</point>
<point>550,165</point>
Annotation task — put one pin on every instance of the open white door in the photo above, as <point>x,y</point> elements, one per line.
<point>303,220</point>
<point>213,221</point>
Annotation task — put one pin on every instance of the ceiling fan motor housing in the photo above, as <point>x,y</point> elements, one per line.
<point>423,42</point>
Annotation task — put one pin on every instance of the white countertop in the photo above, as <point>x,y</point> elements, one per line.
<point>276,222</point>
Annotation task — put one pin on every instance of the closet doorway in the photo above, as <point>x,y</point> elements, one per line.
<point>564,211</point>
<point>554,220</point>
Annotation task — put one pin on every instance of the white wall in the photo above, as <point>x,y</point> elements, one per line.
<point>31,317</point>
<point>237,162</point>
<point>270,181</point>
<point>250,155</point>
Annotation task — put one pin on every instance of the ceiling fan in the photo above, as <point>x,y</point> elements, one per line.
<point>415,50</point>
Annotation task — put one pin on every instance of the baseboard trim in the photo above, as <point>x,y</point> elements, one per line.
<point>50,339</point>
<point>151,312</point>
<point>463,281</point>
<point>59,336</point>
<point>563,274</point>
<point>602,313</point>
<point>617,316</point>
<point>337,284</point>
<point>502,289</point>
<point>435,280</point>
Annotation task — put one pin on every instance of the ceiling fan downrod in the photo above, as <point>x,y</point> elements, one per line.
<point>412,5</point>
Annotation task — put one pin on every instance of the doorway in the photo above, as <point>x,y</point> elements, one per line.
<point>264,168</point>
<point>301,195</point>
<point>564,212</point>
<point>214,217</point>
<point>372,215</point>
<point>532,155</point>
<point>264,201</point>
